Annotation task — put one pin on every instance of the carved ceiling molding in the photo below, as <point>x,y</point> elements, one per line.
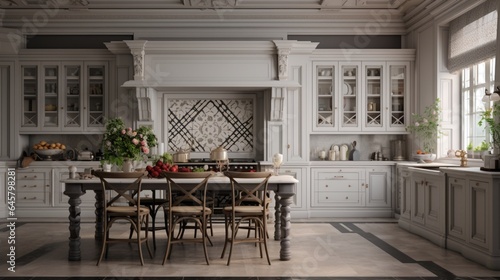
<point>33,4</point>
<point>212,4</point>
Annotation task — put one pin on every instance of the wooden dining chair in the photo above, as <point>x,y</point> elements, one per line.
<point>154,204</point>
<point>192,190</point>
<point>121,202</point>
<point>243,189</point>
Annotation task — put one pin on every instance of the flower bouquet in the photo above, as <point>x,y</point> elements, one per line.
<point>122,143</point>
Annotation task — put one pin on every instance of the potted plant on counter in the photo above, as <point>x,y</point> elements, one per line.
<point>490,119</point>
<point>426,129</point>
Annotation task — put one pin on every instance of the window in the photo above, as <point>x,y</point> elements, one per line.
<point>475,80</point>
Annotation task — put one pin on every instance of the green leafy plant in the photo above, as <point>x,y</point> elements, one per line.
<point>470,147</point>
<point>426,126</point>
<point>120,142</point>
<point>489,119</point>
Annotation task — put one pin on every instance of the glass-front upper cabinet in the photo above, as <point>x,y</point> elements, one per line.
<point>29,89</point>
<point>373,102</point>
<point>72,80</point>
<point>63,96</point>
<point>50,100</point>
<point>398,92</point>
<point>96,90</point>
<point>350,96</point>
<point>325,89</point>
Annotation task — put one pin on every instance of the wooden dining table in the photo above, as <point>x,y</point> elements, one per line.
<point>283,186</point>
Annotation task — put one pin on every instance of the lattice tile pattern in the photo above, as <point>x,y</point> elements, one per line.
<point>208,124</point>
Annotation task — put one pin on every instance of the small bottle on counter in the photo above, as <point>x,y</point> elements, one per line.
<point>72,172</point>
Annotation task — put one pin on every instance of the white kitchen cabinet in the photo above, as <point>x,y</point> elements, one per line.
<point>377,192</point>
<point>338,187</point>
<point>34,188</point>
<point>337,102</point>
<point>360,96</point>
<point>427,199</point>
<point>474,214</point>
<point>63,96</point>
<point>351,191</point>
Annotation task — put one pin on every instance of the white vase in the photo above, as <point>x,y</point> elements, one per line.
<point>128,166</point>
<point>106,167</point>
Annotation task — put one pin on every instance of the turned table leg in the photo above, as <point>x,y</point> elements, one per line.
<point>285,201</point>
<point>74,192</point>
<point>99,210</point>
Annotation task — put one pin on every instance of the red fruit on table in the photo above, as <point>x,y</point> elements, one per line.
<point>155,174</point>
<point>174,168</point>
<point>159,163</point>
<point>149,168</point>
<point>157,169</point>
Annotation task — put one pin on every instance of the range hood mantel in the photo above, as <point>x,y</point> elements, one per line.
<point>238,66</point>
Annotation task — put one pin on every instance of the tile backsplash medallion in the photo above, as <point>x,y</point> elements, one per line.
<point>205,124</point>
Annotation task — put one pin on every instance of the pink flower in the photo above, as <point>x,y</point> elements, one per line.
<point>129,129</point>
<point>135,141</point>
<point>417,124</point>
<point>144,143</point>
<point>123,131</point>
<point>145,150</point>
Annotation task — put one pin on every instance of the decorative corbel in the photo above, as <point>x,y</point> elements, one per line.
<point>283,63</point>
<point>137,50</point>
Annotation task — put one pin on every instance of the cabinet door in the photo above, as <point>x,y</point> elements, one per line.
<point>30,100</point>
<point>480,214</point>
<point>456,207</point>
<point>373,101</point>
<point>405,193</point>
<point>95,95</point>
<point>435,202</point>
<point>325,90</point>
<point>418,199</point>
<point>378,187</point>
<point>350,101</point>
<point>399,88</point>
<point>72,101</point>
<point>50,90</point>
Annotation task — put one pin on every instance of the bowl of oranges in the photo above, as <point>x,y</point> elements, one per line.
<point>422,156</point>
<point>48,150</point>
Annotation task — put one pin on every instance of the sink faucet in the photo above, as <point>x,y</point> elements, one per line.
<point>463,157</point>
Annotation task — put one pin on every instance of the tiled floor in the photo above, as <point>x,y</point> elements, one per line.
<point>321,250</point>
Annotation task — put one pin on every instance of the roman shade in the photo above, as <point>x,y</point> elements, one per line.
<point>472,36</point>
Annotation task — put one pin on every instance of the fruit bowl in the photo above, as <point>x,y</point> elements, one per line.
<point>424,157</point>
<point>48,153</point>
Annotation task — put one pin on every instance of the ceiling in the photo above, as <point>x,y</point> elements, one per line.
<point>176,18</point>
<point>401,5</point>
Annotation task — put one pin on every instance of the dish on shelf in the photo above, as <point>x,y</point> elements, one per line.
<point>346,89</point>
<point>50,107</point>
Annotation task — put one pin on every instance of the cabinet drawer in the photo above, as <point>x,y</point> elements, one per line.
<point>32,199</point>
<point>338,185</point>
<point>339,198</point>
<point>31,185</point>
<point>338,176</point>
<point>30,176</point>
